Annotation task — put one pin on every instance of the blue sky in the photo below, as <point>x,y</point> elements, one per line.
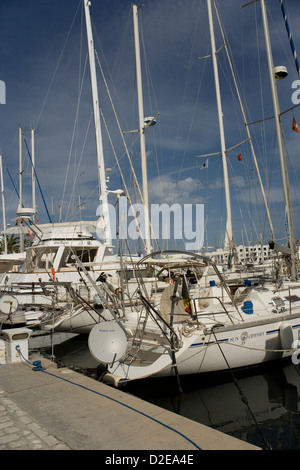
<point>43,64</point>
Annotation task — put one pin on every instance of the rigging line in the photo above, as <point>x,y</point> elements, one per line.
<point>150,87</point>
<point>119,127</point>
<point>126,188</point>
<point>272,117</point>
<point>57,65</point>
<point>287,26</point>
<point>37,180</point>
<point>81,74</point>
<point>249,209</point>
<point>121,133</point>
<point>113,76</point>
<point>12,182</point>
<point>73,134</point>
<point>263,128</point>
<point>238,387</point>
<point>210,199</point>
<point>195,103</point>
<point>82,203</point>
<point>120,170</point>
<point>191,123</point>
<point>247,128</point>
<point>182,105</point>
<point>294,174</point>
<point>80,159</point>
<point>119,53</point>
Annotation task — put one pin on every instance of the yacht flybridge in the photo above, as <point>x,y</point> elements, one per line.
<point>49,276</point>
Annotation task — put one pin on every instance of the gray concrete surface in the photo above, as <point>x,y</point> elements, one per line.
<point>60,409</point>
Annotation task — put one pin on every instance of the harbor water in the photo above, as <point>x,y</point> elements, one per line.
<point>258,405</point>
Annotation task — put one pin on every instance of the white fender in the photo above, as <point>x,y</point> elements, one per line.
<point>286,335</point>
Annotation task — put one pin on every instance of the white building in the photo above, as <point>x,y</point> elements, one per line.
<point>253,253</point>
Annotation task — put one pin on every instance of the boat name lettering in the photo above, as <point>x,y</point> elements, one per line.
<point>233,339</point>
<point>245,336</point>
<point>254,335</point>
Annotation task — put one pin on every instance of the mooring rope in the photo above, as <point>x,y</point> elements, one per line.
<point>37,366</point>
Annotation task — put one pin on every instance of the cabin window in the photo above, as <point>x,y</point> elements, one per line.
<point>41,259</point>
<point>86,256</point>
<point>130,273</point>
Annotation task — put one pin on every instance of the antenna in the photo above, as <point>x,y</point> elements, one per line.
<point>107,342</point>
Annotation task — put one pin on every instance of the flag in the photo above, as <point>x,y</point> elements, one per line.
<point>240,157</point>
<point>186,296</point>
<point>30,234</point>
<point>205,165</point>
<point>295,126</point>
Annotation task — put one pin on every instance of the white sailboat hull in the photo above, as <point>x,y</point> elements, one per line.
<point>217,341</point>
<point>228,347</point>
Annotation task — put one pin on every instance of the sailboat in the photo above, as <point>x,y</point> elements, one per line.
<point>49,280</point>
<point>195,330</point>
<point>71,280</point>
<point>8,261</point>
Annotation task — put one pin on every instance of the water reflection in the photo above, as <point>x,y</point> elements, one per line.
<point>272,392</point>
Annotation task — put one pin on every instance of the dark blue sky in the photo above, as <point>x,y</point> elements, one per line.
<point>43,64</point>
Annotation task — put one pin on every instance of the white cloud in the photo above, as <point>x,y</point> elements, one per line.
<point>164,189</point>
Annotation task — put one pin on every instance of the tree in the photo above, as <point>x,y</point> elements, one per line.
<point>13,244</point>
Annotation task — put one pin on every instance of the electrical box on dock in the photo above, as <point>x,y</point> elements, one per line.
<point>16,344</point>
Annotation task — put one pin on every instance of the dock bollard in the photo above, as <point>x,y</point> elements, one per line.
<point>16,344</point>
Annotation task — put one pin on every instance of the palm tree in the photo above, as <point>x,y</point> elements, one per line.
<point>13,244</point>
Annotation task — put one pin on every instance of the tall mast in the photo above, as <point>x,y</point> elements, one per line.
<point>229,232</point>
<point>20,168</point>
<point>33,173</point>
<point>249,138</point>
<point>141,128</point>
<point>281,149</point>
<point>100,158</point>
<point>3,206</point>
<point>21,187</point>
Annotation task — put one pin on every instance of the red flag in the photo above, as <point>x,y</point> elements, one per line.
<point>240,157</point>
<point>30,234</point>
<point>295,126</point>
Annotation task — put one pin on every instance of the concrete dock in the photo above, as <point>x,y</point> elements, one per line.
<point>60,409</point>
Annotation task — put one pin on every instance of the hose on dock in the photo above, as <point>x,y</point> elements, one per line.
<point>37,366</point>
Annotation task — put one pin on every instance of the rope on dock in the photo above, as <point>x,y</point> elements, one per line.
<point>37,366</point>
